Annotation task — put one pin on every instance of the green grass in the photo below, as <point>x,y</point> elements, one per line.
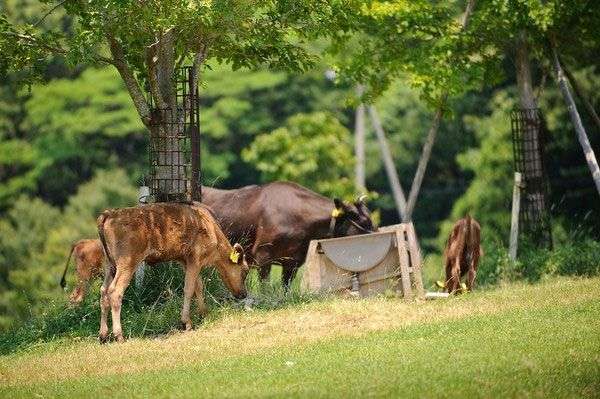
<point>522,340</point>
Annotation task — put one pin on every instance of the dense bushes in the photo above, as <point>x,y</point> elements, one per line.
<point>578,258</point>
<point>568,258</point>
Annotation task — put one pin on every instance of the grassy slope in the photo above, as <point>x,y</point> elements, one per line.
<point>541,340</point>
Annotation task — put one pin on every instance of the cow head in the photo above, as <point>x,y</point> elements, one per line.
<point>352,218</point>
<point>237,272</point>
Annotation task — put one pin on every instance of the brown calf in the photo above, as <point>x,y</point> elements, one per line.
<point>89,257</point>
<point>462,253</point>
<point>165,232</point>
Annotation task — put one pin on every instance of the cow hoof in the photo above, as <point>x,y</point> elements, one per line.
<point>103,339</point>
<point>185,326</point>
<point>202,312</point>
<point>119,338</point>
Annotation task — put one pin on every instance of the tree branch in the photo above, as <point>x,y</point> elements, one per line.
<point>131,83</point>
<point>33,41</point>
<point>49,12</point>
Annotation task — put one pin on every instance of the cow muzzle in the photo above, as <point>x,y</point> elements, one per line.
<point>241,295</point>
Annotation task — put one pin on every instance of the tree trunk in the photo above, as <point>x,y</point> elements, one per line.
<point>168,124</point>
<point>523,70</point>
<point>590,157</point>
<point>359,143</point>
<point>388,162</point>
<point>532,154</point>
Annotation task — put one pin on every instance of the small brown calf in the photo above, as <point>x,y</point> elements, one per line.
<point>462,253</point>
<point>165,232</point>
<point>89,257</point>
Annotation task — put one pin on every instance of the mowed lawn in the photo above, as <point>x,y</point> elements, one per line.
<point>522,340</point>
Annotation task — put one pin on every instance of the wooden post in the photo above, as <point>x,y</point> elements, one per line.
<point>403,257</point>
<point>416,260</point>
<point>359,142</point>
<point>422,166</point>
<point>390,168</point>
<point>144,193</point>
<point>388,162</point>
<point>581,94</point>
<point>588,151</point>
<point>514,222</point>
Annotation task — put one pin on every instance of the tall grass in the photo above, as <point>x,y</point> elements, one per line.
<point>151,310</point>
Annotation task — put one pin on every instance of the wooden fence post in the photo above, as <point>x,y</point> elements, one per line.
<point>514,221</point>
<point>144,193</point>
<point>359,143</point>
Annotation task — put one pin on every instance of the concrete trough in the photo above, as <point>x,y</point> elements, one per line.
<point>368,264</point>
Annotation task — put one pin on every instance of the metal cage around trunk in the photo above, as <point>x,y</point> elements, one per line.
<point>529,135</point>
<point>174,151</point>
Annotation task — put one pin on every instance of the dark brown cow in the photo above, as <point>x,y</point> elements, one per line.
<point>165,232</point>
<point>276,221</point>
<point>462,253</point>
<point>89,257</point>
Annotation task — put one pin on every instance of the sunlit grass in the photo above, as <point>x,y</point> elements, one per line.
<point>520,340</point>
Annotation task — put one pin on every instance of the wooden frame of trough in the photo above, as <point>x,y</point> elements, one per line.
<point>367,264</point>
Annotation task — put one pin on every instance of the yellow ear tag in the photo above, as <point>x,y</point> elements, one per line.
<point>234,256</point>
<point>336,213</point>
<point>463,287</point>
<point>440,284</point>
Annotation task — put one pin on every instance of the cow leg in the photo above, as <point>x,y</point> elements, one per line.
<point>199,292</point>
<point>473,270</point>
<point>115,293</point>
<point>471,279</point>
<point>287,276</point>
<point>104,307</point>
<point>79,292</point>
<point>264,272</point>
<point>448,275</point>
<point>263,258</point>
<point>290,268</point>
<point>454,279</point>
<point>83,278</point>
<point>191,277</point>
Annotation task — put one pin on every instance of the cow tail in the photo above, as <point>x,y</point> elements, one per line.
<point>63,281</point>
<point>111,262</point>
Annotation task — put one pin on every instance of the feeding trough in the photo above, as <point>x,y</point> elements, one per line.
<point>366,264</point>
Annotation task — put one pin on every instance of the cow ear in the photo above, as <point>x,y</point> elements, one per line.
<point>237,254</point>
<point>361,207</point>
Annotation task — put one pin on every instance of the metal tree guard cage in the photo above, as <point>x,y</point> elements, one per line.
<point>529,136</point>
<point>174,150</point>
